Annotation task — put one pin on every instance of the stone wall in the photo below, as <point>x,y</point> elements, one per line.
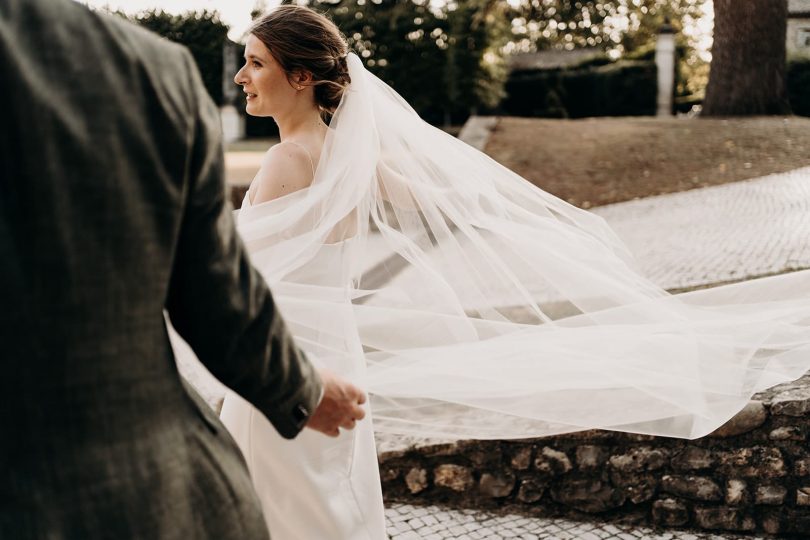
<point>751,475</point>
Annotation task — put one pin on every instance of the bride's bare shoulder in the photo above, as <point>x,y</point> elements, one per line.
<point>285,168</point>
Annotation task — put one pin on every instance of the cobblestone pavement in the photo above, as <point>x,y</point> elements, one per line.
<point>720,233</point>
<point>407,522</point>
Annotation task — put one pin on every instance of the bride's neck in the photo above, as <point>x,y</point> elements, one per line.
<point>297,125</point>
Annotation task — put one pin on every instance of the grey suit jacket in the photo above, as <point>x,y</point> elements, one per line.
<point>112,208</point>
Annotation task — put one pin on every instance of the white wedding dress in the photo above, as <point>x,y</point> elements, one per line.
<point>314,487</point>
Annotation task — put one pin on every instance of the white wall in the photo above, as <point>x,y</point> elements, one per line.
<point>798,37</point>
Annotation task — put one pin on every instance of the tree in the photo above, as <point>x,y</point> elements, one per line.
<point>615,26</point>
<point>258,9</point>
<point>747,75</point>
<point>475,71</point>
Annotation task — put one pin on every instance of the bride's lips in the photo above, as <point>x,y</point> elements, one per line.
<point>250,96</point>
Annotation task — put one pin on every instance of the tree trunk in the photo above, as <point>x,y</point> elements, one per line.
<point>748,59</point>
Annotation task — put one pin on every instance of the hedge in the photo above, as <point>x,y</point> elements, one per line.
<point>798,84</point>
<point>624,88</point>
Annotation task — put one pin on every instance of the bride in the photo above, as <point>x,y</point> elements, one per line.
<point>467,302</point>
<point>311,487</point>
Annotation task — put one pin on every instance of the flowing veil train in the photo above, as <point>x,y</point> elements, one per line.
<point>496,310</point>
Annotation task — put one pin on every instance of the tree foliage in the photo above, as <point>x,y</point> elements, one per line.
<point>618,26</point>
<point>445,61</point>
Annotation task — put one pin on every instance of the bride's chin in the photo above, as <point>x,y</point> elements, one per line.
<point>254,111</point>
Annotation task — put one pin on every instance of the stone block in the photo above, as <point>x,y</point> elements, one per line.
<point>768,463</point>
<point>670,513</point>
<point>692,458</point>
<point>453,477</point>
<point>639,459</point>
<point>484,453</point>
<point>761,462</point>
<point>440,448</point>
<point>643,489</point>
<point>637,437</point>
<point>388,474</point>
<point>591,435</point>
<point>770,494</point>
<point>787,433</point>
<point>698,488</point>
<point>521,458</point>
<point>736,492</point>
<point>416,480</point>
<point>531,490</point>
<point>587,495</point>
<point>497,485</point>
<point>793,402</point>
<point>729,519</point>
<point>552,462</point>
<point>801,467</point>
<point>772,522</point>
<point>735,458</point>
<point>590,457</point>
<point>803,496</point>
<point>749,418</point>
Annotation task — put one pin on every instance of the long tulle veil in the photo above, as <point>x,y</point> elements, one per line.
<point>487,308</point>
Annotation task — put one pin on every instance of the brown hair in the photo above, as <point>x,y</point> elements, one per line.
<point>301,39</point>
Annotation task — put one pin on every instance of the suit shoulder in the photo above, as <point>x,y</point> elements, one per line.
<point>156,45</point>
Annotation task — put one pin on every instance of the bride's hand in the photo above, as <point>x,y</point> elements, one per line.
<point>340,406</point>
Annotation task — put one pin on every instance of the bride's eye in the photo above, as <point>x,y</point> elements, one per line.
<point>256,64</point>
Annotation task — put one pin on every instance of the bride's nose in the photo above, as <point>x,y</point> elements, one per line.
<point>239,78</point>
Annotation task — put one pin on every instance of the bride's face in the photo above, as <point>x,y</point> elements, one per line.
<point>268,90</point>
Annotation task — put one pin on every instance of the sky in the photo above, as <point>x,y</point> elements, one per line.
<point>234,13</point>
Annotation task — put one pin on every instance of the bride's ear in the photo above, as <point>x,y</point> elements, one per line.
<point>301,79</point>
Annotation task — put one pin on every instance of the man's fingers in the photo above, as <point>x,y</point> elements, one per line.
<point>362,398</point>
<point>358,413</point>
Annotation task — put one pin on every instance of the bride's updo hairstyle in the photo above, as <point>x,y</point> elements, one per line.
<point>301,39</point>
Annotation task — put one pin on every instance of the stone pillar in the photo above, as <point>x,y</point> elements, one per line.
<point>665,62</point>
<point>233,123</point>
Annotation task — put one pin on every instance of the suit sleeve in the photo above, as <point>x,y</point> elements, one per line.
<point>219,303</point>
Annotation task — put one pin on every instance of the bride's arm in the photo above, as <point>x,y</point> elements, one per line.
<point>285,169</point>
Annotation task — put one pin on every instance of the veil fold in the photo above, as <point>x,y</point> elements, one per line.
<point>486,308</point>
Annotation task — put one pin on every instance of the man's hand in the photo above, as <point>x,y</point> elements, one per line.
<point>340,406</point>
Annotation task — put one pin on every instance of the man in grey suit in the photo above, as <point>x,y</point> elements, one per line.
<point>112,209</point>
